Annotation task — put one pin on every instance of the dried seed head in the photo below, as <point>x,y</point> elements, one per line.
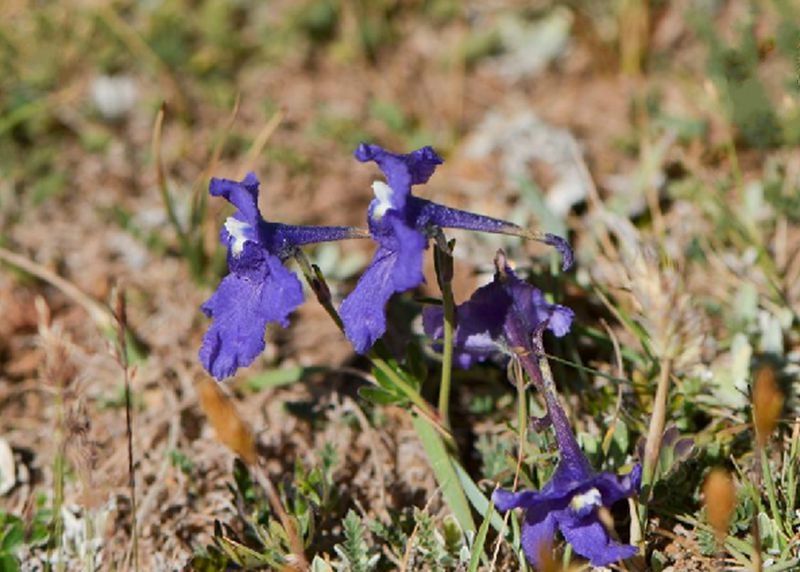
<point>767,404</point>
<point>59,369</point>
<point>719,493</point>
<point>652,286</point>
<point>230,428</point>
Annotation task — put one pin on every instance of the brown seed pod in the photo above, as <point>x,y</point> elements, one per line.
<point>767,404</point>
<point>719,494</point>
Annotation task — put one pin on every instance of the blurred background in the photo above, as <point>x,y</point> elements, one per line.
<point>620,122</point>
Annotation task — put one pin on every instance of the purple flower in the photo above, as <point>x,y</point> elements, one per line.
<point>503,314</point>
<point>258,289</point>
<point>401,224</point>
<point>571,501</point>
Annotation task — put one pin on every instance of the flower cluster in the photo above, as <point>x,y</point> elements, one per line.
<point>260,290</point>
<point>507,318</point>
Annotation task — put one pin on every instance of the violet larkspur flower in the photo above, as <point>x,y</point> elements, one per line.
<point>503,314</point>
<point>571,501</point>
<point>401,224</point>
<point>258,289</point>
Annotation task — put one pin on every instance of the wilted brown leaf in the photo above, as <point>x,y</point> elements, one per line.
<point>230,428</point>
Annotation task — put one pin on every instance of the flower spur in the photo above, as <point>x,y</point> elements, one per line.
<point>259,289</point>
<point>401,224</point>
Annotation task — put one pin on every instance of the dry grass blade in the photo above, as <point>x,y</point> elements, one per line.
<point>261,140</point>
<point>161,177</point>
<point>97,311</point>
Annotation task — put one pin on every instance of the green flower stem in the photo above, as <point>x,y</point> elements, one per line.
<point>443,262</point>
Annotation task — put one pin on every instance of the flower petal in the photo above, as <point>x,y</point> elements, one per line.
<point>401,171</point>
<point>480,324</point>
<point>363,312</point>
<point>590,539</point>
<point>531,306</point>
<point>563,247</point>
<point>538,530</point>
<point>246,300</point>
<point>241,194</point>
<point>617,487</point>
<point>486,319</point>
<point>506,500</point>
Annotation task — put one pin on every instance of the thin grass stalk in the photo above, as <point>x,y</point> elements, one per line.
<point>772,496</point>
<point>122,323</point>
<point>758,478</point>
<point>59,468</point>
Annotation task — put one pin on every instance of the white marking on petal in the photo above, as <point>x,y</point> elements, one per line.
<point>238,231</point>
<point>383,193</point>
<point>590,498</point>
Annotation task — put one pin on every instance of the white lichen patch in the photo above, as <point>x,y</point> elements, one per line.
<point>383,193</point>
<point>238,231</point>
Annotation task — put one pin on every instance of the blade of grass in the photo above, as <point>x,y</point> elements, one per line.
<point>480,540</point>
<point>445,472</point>
<point>478,500</point>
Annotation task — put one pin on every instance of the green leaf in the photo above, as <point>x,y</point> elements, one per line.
<point>379,396</point>
<point>480,540</point>
<point>476,497</point>
<point>445,472</point>
<point>384,379</point>
<point>13,537</point>
<point>242,555</point>
<point>279,377</point>
<point>319,565</point>
<point>8,563</point>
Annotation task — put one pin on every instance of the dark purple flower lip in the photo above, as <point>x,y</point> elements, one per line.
<point>498,317</point>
